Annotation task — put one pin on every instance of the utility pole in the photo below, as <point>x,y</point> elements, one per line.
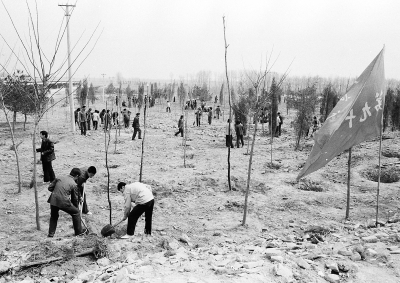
<point>71,96</point>
<point>103,85</point>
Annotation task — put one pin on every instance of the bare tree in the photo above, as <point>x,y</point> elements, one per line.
<point>43,74</point>
<point>230,107</point>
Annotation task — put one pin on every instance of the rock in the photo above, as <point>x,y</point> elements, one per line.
<point>27,280</point>
<point>277,258</point>
<point>343,266</point>
<point>254,264</point>
<point>302,263</point>
<point>184,238</point>
<point>131,257</point>
<point>103,261</point>
<point>395,251</point>
<point>174,244</point>
<point>272,252</point>
<point>4,266</point>
<point>122,276</point>
<point>87,276</point>
<point>332,266</point>
<point>355,257</point>
<point>272,244</point>
<point>283,271</point>
<point>114,251</point>
<point>381,235</point>
<point>370,252</point>
<point>370,239</point>
<point>345,252</point>
<point>333,278</point>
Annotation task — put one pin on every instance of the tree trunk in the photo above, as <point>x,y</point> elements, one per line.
<point>230,109</point>
<point>34,172</point>
<point>25,118</point>
<point>249,173</point>
<point>15,147</point>
<point>106,145</point>
<point>14,120</point>
<point>144,135</point>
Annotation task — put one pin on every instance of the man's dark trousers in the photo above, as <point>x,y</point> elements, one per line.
<point>229,142</point>
<point>71,210</point>
<point>179,131</point>
<point>136,212</point>
<point>83,128</point>
<point>48,172</point>
<point>137,130</point>
<point>239,138</point>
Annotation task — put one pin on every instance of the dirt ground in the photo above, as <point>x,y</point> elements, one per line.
<point>196,218</point>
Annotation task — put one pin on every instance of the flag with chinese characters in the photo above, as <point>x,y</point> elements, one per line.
<point>356,117</point>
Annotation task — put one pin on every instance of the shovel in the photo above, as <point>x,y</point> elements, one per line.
<point>108,230</point>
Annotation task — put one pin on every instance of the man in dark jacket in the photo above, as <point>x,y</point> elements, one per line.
<point>64,196</point>
<point>180,127</point>
<point>86,173</point>
<point>47,156</point>
<point>239,133</point>
<point>136,127</point>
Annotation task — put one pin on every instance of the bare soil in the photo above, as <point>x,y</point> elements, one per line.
<point>195,201</point>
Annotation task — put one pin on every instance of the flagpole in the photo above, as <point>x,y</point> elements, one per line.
<point>379,177</point>
<point>348,186</point>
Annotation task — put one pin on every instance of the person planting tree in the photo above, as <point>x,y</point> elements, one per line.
<point>140,194</point>
<point>86,173</point>
<point>64,196</point>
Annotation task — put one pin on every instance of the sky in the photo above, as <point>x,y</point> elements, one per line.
<point>151,39</point>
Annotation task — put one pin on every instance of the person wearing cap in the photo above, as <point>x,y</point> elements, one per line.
<point>82,120</point>
<point>86,173</point>
<point>64,196</point>
<point>136,127</point>
<point>140,194</point>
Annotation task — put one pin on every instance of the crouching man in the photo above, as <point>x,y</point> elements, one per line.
<point>140,194</point>
<point>64,196</point>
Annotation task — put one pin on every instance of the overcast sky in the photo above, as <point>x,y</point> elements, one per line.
<point>151,39</point>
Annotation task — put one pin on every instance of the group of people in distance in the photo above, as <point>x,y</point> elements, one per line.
<point>68,194</point>
<point>85,119</point>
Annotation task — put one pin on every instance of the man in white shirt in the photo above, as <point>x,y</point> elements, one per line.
<point>96,118</point>
<point>140,194</point>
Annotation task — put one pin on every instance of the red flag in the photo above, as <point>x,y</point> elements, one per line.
<point>356,117</point>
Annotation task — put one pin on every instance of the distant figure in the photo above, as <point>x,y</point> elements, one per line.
<point>76,113</point>
<point>82,120</point>
<point>278,125</point>
<point>180,127</point>
<point>168,106</point>
<point>210,115</point>
<point>47,156</point>
<point>102,113</point>
<point>198,116</point>
<point>216,100</point>
<point>89,118</point>
<point>315,125</point>
<point>115,118</point>
<point>217,111</point>
<point>136,127</point>
<point>228,133</point>
<point>239,133</point>
<point>126,118</point>
<point>96,118</point>
<point>107,121</point>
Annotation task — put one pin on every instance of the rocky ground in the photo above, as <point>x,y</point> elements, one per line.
<point>294,232</point>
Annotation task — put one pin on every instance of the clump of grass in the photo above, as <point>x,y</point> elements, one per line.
<point>272,165</point>
<point>308,185</point>
<point>189,166</point>
<point>388,174</point>
<point>189,155</point>
<point>391,153</point>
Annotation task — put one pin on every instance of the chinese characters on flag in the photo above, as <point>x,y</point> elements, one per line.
<point>356,117</point>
